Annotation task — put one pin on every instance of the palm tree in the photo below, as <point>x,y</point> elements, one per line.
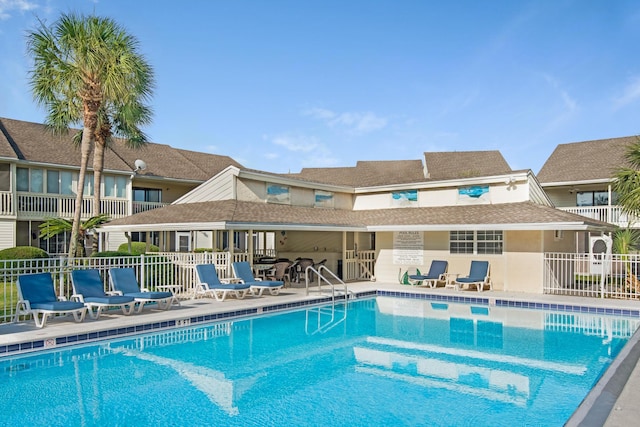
<point>124,121</point>
<point>627,181</point>
<point>54,226</point>
<point>81,65</point>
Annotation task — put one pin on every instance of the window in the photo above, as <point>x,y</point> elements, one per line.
<point>53,182</point>
<point>5,174</point>
<point>66,183</point>
<point>595,198</point>
<point>475,242</point>
<point>30,180</point>
<point>147,195</point>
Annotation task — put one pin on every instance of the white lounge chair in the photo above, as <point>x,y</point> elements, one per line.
<point>88,288</point>
<point>242,271</point>
<point>478,277</point>
<point>209,284</point>
<point>37,297</point>
<point>124,281</point>
<point>437,273</point>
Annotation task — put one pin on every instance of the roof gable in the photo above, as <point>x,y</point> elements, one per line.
<point>366,173</point>
<point>34,142</point>
<point>447,165</point>
<point>585,161</point>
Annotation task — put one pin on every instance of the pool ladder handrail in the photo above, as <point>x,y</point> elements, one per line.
<point>322,312</point>
<point>323,280</point>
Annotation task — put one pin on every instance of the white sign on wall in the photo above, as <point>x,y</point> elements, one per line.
<point>408,247</point>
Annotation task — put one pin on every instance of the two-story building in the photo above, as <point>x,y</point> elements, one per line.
<point>578,178</point>
<point>39,178</point>
<point>456,206</point>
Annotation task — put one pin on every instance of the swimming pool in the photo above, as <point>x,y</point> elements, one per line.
<point>382,361</point>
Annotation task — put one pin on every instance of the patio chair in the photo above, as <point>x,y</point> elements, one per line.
<point>281,271</point>
<point>303,263</point>
<point>88,288</point>
<point>478,276</point>
<point>210,285</point>
<point>437,274</point>
<point>242,271</point>
<point>37,297</point>
<point>124,282</point>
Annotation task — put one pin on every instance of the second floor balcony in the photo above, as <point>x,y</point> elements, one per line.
<point>30,206</point>
<point>611,214</point>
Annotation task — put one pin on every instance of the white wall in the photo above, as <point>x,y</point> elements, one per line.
<point>7,234</point>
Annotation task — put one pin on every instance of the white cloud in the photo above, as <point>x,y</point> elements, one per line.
<point>356,122</point>
<point>8,6</point>
<point>570,103</point>
<point>298,143</point>
<point>629,95</point>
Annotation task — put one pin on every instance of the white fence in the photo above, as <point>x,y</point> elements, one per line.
<point>152,270</point>
<point>584,275</point>
<point>610,214</point>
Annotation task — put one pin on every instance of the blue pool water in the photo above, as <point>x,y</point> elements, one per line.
<point>383,361</point>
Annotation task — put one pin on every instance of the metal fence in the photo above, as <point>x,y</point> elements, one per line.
<point>602,276</point>
<point>152,270</point>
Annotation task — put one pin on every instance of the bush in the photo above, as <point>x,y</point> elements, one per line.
<point>111,254</point>
<point>137,248</point>
<point>202,250</point>
<point>23,252</point>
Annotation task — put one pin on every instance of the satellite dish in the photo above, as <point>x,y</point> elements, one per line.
<point>140,165</point>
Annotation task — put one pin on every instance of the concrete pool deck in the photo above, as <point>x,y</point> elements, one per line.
<point>612,402</point>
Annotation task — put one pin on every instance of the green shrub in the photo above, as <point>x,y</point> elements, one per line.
<point>202,250</point>
<point>111,254</point>
<point>23,252</point>
<point>137,248</point>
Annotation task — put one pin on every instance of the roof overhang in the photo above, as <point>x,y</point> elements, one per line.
<point>574,183</point>
<point>567,226</point>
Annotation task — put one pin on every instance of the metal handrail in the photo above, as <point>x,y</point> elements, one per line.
<point>323,280</point>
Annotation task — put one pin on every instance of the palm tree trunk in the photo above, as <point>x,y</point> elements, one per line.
<point>85,149</point>
<point>98,165</point>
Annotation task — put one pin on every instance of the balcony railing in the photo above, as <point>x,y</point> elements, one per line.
<point>146,206</point>
<point>610,214</point>
<point>39,206</point>
<point>6,203</point>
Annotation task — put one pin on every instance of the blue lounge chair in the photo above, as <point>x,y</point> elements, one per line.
<point>124,281</point>
<point>209,284</point>
<point>478,276</point>
<point>37,297</point>
<point>88,288</point>
<point>242,270</point>
<point>437,274</point>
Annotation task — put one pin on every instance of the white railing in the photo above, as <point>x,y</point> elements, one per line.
<point>38,206</point>
<point>146,206</point>
<point>6,203</point>
<point>610,214</point>
<point>582,275</point>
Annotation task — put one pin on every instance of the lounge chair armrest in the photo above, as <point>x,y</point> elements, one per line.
<point>77,297</point>
<point>62,298</point>
<point>145,289</point>
<point>113,293</point>
<point>231,280</point>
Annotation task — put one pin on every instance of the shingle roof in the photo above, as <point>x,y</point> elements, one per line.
<point>464,164</point>
<point>366,173</point>
<point>584,161</point>
<point>233,211</point>
<point>34,142</point>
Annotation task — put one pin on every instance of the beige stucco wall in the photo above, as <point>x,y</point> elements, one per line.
<point>498,193</point>
<point>518,269</point>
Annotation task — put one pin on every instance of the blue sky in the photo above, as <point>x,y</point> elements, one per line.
<point>281,85</point>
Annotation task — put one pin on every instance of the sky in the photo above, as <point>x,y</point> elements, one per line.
<point>281,85</point>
